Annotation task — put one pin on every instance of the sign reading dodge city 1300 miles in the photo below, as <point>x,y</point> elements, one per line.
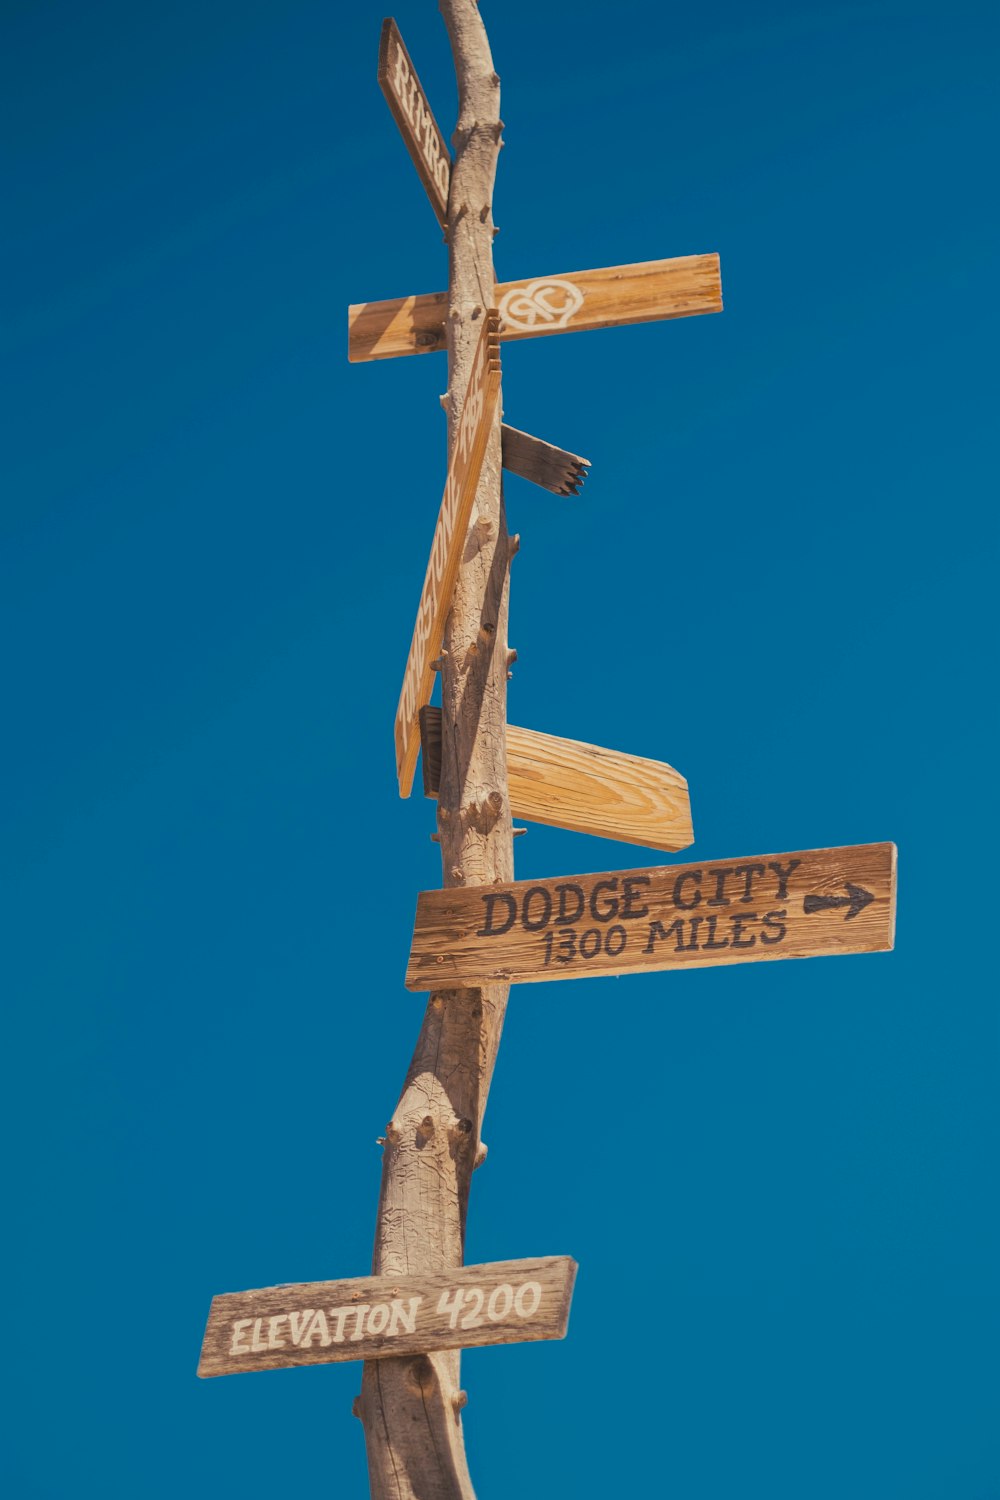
<point>801,905</point>
<point>374,1317</point>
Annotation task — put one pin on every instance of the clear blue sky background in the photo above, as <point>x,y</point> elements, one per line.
<point>779,1179</point>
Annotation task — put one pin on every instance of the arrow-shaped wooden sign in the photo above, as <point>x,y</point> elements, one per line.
<point>446,549</point>
<point>766,906</point>
<point>568,784</point>
<point>573,301</point>
<point>542,463</point>
<point>426,144</point>
<point>376,1317</point>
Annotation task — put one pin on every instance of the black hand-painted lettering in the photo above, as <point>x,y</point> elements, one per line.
<point>609,912</point>
<point>567,945</point>
<point>773,919</point>
<point>738,924</point>
<point>783,875</point>
<point>749,871</point>
<point>535,924</point>
<point>562,915</point>
<point>710,942</point>
<point>695,876</point>
<point>856,898</point>
<point>491,898</point>
<point>629,896</point>
<point>591,939</point>
<point>719,899</point>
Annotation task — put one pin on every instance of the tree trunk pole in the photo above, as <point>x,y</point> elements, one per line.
<point>411,1407</point>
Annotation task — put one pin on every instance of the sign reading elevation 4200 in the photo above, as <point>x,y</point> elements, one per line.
<point>374,1317</point>
<point>799,905</point>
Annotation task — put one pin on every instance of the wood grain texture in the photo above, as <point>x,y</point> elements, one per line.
<point>410,1407</point>
<point>542,463</point>
<point>569,784</point>
<point>764,906</point>
<point>424,140</point>
<point>478,412</point>
<point>570,302</point>
<point>379,1317</point>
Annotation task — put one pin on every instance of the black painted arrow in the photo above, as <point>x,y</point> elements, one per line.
<point>856,899</point>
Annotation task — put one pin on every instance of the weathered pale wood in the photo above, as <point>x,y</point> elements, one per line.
<point>377,1317</point>
<point>411,1406</point>
<point>478,412</point>
<point>765,906</point>
<point>569,784</point>
<point>542,463</point>
<point>399,83</point>
<point>571,302</point>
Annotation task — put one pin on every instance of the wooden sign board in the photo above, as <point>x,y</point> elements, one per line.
<point>542,463</point>
<point>568,784</point>
<point>573,301</point>
<point>816,901</point>
<point>446,549</point>
<point>377,1317</point>
<point>399,83</point>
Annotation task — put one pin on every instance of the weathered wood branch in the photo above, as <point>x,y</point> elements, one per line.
<point>411,1408</point>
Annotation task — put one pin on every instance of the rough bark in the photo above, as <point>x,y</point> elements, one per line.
<point>411,1408</point>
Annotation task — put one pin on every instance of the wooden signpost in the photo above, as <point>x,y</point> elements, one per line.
<point>766,906</point>
<point>446,549</point>
<point>485,930</point>
<point>570,302</point>
<point>399,83</point>
<point>376,1317</point>
<point>568,784</point>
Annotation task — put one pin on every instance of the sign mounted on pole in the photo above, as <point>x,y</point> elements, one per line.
<point>446,549</point>
<point>802,905</point>
<point>399,83</point>
<point>568,784</point>
<point>542,463</point>
<point>377,1317</point>
<point>648,292</point>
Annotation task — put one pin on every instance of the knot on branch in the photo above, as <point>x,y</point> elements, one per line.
<point>482,1151</point>
<point>461,1130</point>
<point>420,1376</point>
<point>485,815</point>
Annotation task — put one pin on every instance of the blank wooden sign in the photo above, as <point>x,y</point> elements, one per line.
<point>399,83</point>
<point>569,784</point>
<point>376,1317</point>
<point>765,906</point>
<point>570,302</point>
<point>542,463</point>
<point>446,548</point>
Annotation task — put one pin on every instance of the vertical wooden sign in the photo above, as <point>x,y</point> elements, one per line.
<point>399,83</point>
<point>446,550</point>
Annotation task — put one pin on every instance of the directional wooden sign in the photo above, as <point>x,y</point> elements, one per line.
<point>542,463</point>
<point>446,549</point>
<point>572,785</point>
<point>765,906</point>
<point>399,83</point>
<point>377,1317</point>
<point>567,303</point>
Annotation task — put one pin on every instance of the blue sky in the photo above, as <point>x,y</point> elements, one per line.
<point>779,1180</point>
